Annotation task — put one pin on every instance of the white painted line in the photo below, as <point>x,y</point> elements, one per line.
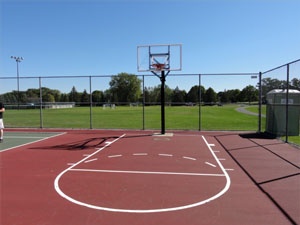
<point>210,164</point>
<point>108,142</point>
<point>211,145</point>
<point>86,155</point>
<point>229,169</point>
<point>114,156</point>
<point>70,164</point>
<point>190,158</point>
<point>228,181</point>
<point>216,151</point>
<point>220,193</point>
<point>140,154</point>
<point>222,159</point>
<point>90,160</point>
<point>148,172</point>
<point>22,137</point>
<point>56,181</point>
<point>169,155</point>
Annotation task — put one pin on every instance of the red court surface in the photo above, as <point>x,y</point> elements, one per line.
<point>89,177</point>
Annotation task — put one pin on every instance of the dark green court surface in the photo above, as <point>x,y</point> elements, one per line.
<point>17,139</point>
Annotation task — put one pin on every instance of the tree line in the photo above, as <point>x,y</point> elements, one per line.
<point>126,88</point>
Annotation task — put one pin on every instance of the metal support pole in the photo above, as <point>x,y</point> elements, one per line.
<point>18,59</point>
<point>18,84</point>
<point>91,104</point>
<point>143,102</point>
<point>200,96</point>
<point>41,103</point>
<point>162,100</point>
<point>287,102</point>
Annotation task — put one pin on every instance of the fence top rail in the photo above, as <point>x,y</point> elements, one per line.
<point>139,75</point>
<point>180,74</point>
<point>278,67</point>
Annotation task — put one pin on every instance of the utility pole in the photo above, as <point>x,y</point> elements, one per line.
<point>18,60</point>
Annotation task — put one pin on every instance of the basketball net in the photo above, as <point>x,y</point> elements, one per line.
<point>158,66</point>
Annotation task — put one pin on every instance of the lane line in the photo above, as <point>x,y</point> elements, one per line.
<point>91,160</point>
<point>148,172</point>
<point>228,181</point>
<point>140,154</point>
<point>168,155</point>
<point>114,156</point>
<point>190,158</point>
<point>210,164</point>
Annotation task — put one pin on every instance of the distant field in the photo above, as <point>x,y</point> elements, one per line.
<point>255,109</point>
<point>125,117</point>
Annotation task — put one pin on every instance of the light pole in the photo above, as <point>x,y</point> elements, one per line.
<point>18,60</point>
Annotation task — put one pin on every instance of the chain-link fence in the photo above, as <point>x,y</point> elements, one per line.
<point>280,90</point>
<point>231,101</point>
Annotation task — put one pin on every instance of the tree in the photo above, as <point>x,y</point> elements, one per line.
<point>97,96</point>
<point>223,96</point>
<point>210,96</point>
<point>168,93</point>
<point>295,83</point>
<point>233,95</point>
<point>85,97</point>
<point>48,98</point>
<point>64,98</point>
<point>33,93</point>
<point>249,94</point>
<point>125,88</point>
<point>74,95</point>
<point>193,94</point>
<point>147,94</point>
<point>269,84</point>
<point>10,97</point>
<point>178,96</point>
<point>156,94</point>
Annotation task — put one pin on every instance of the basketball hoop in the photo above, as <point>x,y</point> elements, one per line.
<point>159,63</point>
<point>158,66</point>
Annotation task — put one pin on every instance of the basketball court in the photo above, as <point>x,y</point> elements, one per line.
<point>140,177</point>
<point>89,177</point>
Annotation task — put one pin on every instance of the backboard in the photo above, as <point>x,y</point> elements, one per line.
<point>154,58</point>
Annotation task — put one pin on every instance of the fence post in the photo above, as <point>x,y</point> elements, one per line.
<point>41,102</point>
<point>91,103</point>
<point>200,94</point>
<point>287,102</point>
<point>143,102</point>
<point>259,102</point>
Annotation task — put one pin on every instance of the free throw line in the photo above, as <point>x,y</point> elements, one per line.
<point>148,172</point>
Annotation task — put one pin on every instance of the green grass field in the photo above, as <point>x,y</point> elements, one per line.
<point>180,117</point>
<point>125,117</point>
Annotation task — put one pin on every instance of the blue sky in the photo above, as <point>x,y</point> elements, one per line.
<point>97,37</point>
